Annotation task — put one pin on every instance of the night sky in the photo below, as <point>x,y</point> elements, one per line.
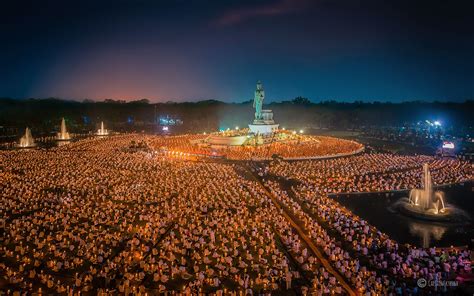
<point>393,50</point>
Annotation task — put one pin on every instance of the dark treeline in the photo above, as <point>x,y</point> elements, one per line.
<point>211,115</point>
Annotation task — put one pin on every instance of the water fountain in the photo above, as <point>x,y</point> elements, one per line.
<point>102,131</point>
<point>27,140</point>
<point>63,135</point>
<point>425,203</point>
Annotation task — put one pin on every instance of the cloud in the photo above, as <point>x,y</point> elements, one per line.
<point>280,7</point>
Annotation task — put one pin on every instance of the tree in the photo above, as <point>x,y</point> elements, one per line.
<point>301,101</point>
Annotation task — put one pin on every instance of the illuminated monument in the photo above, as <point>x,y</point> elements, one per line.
<point>102,131</point>
<point>263,123</point>
<point>261,131</point>
<point>27,140</point>
<point>63,135</point>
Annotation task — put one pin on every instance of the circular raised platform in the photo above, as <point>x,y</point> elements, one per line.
<point>226,140</point>
<point>26,147</point>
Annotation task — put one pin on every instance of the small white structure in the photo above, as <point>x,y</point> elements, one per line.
<point>27,140</point>
<point>63,135</point>
<point>102,131</point>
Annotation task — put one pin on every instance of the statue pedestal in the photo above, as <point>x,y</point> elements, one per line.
<point>265,125</point>
<point>263,129</point>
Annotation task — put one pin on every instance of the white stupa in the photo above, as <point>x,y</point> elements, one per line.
<point>63,135</point>
<point>102,131</point>
<point>27,140</point>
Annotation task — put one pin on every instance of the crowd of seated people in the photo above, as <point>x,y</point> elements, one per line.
<point>295,146</point>
<point>365,280</point>
<point>389,267</point>
<point>383,253</point>
<point>94,216</point>
<point>396,267</point>
<point>372,172</point>
<point>97,216</point>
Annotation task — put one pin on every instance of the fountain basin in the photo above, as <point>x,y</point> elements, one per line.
<point>409,209</point>
<point>26,147</point>
<point>63,139</point>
